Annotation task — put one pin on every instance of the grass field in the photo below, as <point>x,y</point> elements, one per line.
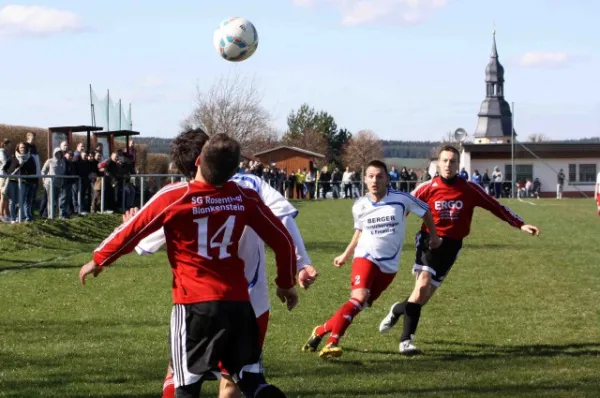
<point>517,317</point>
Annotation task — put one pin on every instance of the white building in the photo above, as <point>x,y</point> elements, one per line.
<point>491,147</point>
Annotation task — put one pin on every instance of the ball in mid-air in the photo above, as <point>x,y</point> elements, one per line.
<point>236,39</point>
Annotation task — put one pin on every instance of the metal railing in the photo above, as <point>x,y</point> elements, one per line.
<point>145,185</point>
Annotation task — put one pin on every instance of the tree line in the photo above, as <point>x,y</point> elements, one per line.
<point>233,105</point>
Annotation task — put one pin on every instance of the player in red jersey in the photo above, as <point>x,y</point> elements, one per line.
<point>452,201</point>
<point>186,148</point>
<point>212,319</point>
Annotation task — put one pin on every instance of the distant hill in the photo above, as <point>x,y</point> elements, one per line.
<point>391,149</point>
<point>409,163</point>
<point>155,144</point>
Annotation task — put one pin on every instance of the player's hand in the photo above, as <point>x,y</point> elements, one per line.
<point>87,269</point>
<point>307,276</point>
<point>434,242</point>
<point>129,214</point>
<point>531,229</point>
<point>288,296</point>
<point>339,260</point>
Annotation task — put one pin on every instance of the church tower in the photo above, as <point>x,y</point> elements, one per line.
<point>495,117</point>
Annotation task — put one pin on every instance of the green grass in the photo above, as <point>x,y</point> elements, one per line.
<point>518,316</point>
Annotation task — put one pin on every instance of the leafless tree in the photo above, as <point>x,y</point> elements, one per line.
<point>310,140</point>
<point>537,137</point>
<point>233,105</point>
<point>363,147</point>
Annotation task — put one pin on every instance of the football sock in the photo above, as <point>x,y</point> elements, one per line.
<point>412,313</point>
<point>168,388</point>
<point>343,318</point>
<point>254,385</point>
<point>400,308</point>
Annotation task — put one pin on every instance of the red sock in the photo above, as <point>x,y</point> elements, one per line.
<point>168,388</point>
<point>342,320</point>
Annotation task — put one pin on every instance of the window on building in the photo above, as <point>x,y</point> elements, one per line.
<point>572,172</point>
<point>587,173</point>
<point>523,172</point>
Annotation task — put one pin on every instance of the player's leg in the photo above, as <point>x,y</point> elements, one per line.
<point>169,385</point>
<point>228,387</point>
<point>420,291</point>
<point>199,336</point>
<point>342,318</point>
<point>364,274</point>
<point>243,354</point>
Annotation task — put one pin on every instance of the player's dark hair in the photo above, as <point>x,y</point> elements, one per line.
<point>186,148</point>
<point>379,164</point>
<point>449,148</point>
<point>219,159</point>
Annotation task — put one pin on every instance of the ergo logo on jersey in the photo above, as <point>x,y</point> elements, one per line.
<point>448,204</point>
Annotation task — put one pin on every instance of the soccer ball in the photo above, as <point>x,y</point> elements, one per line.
<point>236,39</point>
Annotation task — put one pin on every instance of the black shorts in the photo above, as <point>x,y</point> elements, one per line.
<point>205,335</point>
<point>438,261</point>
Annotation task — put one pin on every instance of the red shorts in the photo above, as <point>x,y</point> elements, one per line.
<point>368,275</point>
<point>263,323</point>
<point>598,199</point>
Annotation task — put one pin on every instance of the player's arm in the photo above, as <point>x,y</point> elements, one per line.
<point>421,209</point>
<point>283,209</point>
<point>490,203</point>
<point>307,274</point>
<point>126,237</point>
<point>272,231</point>
<point>342,258</point>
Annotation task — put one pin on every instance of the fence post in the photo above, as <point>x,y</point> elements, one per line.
<point>362,181</point>
<point>123,196</point>
<point>79,195</point>
<point>20,185</point>
<point>141,192</point>
<point>102,196</point>
<point>50,204</point>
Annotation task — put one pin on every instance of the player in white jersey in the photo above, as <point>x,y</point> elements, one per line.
<point>380,224</point>
<point>597,192</point>
<point>251,248</point>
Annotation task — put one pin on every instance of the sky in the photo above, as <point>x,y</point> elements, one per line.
<point>406,69</point>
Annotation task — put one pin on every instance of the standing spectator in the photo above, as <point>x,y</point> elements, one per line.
<point>394,177</point>
<point>404,177</point>
<point>309,180</point>
<point>336,181</point>
<point>325,180</point>
<point>33,151</point>
<point>70,187</point>
<point>54,166</point>
<point>476,177</point>
<point>560,182</point>
<point>291,185</point>
<point>300,178</point>
<point>78,149</point>
<point>497,179</point>
<point>412,178</point>
<point>486,181</point>
<point>425,176</point>
<point>20,164</point>
<point>463,174</point>
<point>4,164</point>
<point>347,182</point>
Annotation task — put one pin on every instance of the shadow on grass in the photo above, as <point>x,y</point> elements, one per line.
<point>40,265</point>
<point>485,351</point>
<point>502,390</point>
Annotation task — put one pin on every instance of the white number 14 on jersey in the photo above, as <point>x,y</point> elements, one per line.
<point>205,242</point>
